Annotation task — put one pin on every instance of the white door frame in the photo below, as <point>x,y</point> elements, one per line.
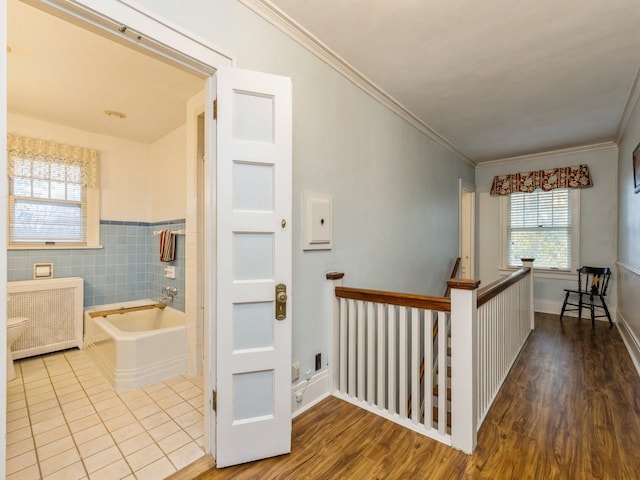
<point>164,40</point>
<point>467,189</point>
<point>3,240</point>
<point>194,278</point>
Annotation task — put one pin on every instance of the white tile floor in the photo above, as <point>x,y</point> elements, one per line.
<point>64,421</point>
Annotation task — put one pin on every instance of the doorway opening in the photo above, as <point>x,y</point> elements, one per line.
<point>467,215</point>
<point>162,42</point>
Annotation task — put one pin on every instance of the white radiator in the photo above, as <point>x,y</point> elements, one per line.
<point>54,309</point>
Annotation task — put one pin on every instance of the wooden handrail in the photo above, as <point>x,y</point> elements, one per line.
<point>487,293</point>
<point>440,304</point>
<point>105,313</point>
<point>335,276</point>
<point>454,274</point>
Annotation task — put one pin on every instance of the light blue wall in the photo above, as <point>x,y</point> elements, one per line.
<point>395,191</point>
<point>127,267</point>
<point>598,219</point>
<point>629,226</point>
<point>156,273</point>
<point>629,210</point>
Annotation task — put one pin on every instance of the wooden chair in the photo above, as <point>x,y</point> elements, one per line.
<point>592,284</point>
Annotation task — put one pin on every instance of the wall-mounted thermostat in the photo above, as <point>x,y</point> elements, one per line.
<point>317,221</point>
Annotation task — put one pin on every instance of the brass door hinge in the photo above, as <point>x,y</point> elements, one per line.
<point>215,109</point>
<point>214,401</point>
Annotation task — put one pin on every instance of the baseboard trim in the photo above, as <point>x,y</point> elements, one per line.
<point>554,308</point>
<point>629,341</point>
<point>312,392</point>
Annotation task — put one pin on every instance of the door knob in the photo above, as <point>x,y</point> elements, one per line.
<point>281,301</point>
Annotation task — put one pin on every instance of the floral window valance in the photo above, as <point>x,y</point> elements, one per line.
<point>21,148</point>
<point>577,176</point>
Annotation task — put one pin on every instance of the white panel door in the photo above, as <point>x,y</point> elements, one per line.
<point>465,236</point>
<point>467,193</point>
<point>253,419</point>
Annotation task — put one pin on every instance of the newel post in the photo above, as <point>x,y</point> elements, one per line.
<point>335,280</point>
<point>464,368</point>
<point>528,262</point>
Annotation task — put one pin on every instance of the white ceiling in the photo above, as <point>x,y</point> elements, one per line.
<point>65,74</point>
<point>495,78</point>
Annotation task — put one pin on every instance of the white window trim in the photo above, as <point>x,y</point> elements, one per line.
<point>89,163</point>
<point>570,274</point>
<point>93,217</point>
<point>92,226</point>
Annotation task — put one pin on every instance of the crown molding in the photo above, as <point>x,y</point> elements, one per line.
<point>550,153</point>
<point>632,100</point>
<point>272,14</point>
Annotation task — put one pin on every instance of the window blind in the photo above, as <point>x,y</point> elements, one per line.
<point>47,203</point>
<point>539,226</point>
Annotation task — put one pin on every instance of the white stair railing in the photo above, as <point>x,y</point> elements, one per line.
<point>390,352</point>
<point>382,340</point>
<point>504,321</point>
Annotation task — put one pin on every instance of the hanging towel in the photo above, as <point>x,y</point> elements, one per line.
<point>167,246</point>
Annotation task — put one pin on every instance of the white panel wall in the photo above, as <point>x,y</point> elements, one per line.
<point>395,192</point>
<point>139,182</point>
<point>629,225</point>
<point>598,220</point>
<point>168,176</point>
<point>124,166</point>
<point>629,218</point>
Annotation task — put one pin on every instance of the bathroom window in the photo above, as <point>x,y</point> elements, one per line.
<point>53,194</point>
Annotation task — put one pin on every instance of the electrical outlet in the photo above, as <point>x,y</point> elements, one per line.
<point>295,371</point>
<point>318,361</point>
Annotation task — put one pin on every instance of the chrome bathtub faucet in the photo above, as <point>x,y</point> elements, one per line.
<point>169,293</point>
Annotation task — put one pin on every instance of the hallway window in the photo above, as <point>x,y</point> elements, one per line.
<point>53,198</point>
<point>544,226</point>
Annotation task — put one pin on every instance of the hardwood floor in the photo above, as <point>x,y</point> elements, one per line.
<point>570,409</point>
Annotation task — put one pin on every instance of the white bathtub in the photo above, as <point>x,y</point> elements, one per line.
<point>136,349</point>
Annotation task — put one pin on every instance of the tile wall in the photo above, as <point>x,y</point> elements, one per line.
<point>127,267</point>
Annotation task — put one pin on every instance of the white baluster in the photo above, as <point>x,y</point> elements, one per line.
<point>428,369</point>
<point>392,362</point>
<point>381,377</point>
<point>371,350</point>
<point>361,351</point>
<point>403,375</point>
<point>415,363</point>
<point>352,348</point>
<point>336,356</point>
<point>344,319</point>
<point>442,372</point>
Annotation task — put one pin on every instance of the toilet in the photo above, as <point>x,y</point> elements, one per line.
<point>15,327</point>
